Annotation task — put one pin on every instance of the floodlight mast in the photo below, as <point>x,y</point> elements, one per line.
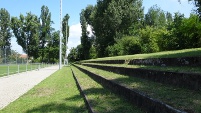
<point>60,42</point>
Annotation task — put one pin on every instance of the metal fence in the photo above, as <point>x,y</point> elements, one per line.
<point>8,56</point>
<point>8,69</point>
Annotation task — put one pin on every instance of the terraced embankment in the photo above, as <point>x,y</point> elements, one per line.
<point>99,99</point>
<point>163,84</point>
<point>151,96</point>
<point>183,79</point>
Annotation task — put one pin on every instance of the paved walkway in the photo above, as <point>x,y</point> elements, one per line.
<point>12,87</point>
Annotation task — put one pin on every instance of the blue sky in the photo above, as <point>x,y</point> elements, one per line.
<point>73,8</point>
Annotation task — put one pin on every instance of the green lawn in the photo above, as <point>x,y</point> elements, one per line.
<point>177,97</point>
<point>57,94</point>
<point>164,54</point>
<point>185,69</point>
<point>102,99</point>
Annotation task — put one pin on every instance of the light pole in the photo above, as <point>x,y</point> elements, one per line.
<point>5,54</point>
<point>16,55</point>
<point>60,43</point>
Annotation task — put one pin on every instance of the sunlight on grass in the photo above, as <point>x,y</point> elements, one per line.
<point>102,99</point>
<point>177,97</point>
<point>58,94</point>
<point>184,69</point>
<point>164,54</point>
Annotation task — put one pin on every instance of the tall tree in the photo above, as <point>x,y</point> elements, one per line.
<point>45,20</point>
<point>5,31</point>
<point>169,18</point>
<point>85,39</point>
<point>26,30</point>
<point>112,19</point>
<point>52,49</point>
<point>65,32</point>
<point>155,17</point>
<point>65,27</point>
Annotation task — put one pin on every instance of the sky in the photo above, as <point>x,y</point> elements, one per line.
<point>73,8</point>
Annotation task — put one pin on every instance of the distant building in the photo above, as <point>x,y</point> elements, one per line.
<point>23,56</point>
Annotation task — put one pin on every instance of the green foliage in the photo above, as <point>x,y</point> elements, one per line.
<point>85,39</point>
<point>149,40</point>
<point>65,27</point>
<point>155,17</point>
<point>131,45</point>
<point>125,46</point>
<point>65,32</point>
<point>5,33</point>
<point>92,53</point>
<point>114,50</point>
<point>76,54</point>
<point>112,18</point>
<point>25,29</point>
<point>45,28</point>
<point>155,31</point>
<point>36,36</point>
<point>190,32</point>
<point>5,29</point>
<point>52,53</point>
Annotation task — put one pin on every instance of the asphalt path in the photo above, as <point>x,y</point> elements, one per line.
<point>14,86</point>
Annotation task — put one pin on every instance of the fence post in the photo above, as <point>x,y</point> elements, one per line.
<point>26,67</point>
<point>18,69</point>
<point>39,67</point>
<point>8,69</point>
<point>31,66</point>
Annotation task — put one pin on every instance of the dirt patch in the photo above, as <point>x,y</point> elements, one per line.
<point>43,92</point>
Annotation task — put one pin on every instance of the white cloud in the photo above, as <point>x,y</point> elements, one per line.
<point>74,36</point>
<point>90,30</point>
<point>75,31</point>
<point>15,46</point>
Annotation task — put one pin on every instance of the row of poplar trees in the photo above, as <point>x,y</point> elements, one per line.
<point>120,27</point>
<point>34,34</point>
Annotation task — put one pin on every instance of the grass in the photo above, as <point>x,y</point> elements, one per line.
<point>13,68</point>
<point>57,94</point>
<point>179,98</point>
<point>185,69</point>
<point>165,54</point>
<point>103,100</point>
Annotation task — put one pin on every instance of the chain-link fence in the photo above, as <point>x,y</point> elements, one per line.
<point>12,62</point>
<point>8,56</point>
<point>8,69</point>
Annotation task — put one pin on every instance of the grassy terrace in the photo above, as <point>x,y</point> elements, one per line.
<point>103,100</point>
<point>185,69</point>
<point>57,94</point>
<point>179,98</point>
<point>165,54</point>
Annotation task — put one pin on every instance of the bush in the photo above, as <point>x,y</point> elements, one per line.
<point>149,40</point>
<point>131,45</point>
<point>125,46</point>
<point>92,52</point>
<point>114,50</point>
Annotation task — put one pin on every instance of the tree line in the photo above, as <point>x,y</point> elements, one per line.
<point>34,34</point>
<point>120,27</point>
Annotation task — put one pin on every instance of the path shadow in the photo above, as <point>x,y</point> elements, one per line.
<point>57,107</point>
<point>108,102</point>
